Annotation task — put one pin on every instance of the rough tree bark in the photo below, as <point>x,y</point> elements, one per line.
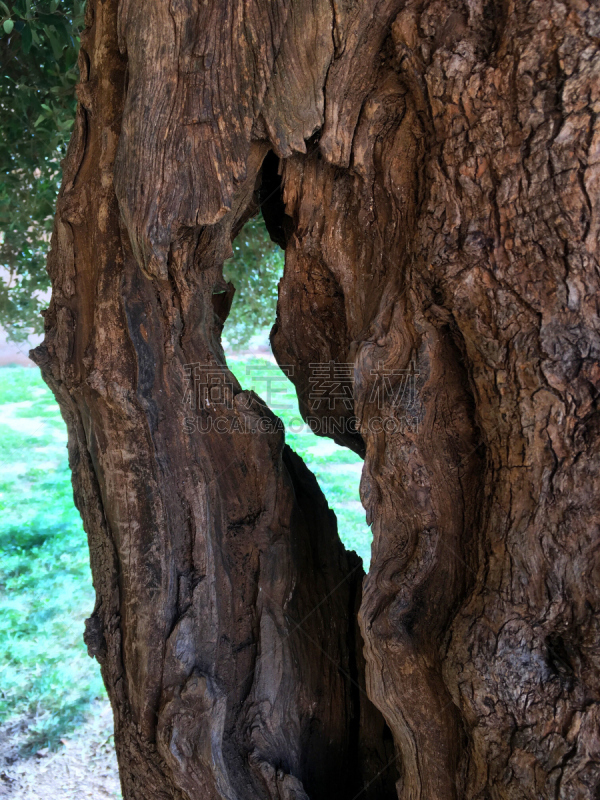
<point>433,171</point>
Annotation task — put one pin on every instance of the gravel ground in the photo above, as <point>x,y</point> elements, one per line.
<point>85,765</point>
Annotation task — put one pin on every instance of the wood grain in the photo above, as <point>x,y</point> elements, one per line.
<point>433,170</point>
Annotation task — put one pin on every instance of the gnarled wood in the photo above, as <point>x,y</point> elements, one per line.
<point>226,605</point>
<point>437,196</point>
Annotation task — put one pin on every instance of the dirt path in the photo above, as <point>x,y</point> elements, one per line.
<point>85,766</point>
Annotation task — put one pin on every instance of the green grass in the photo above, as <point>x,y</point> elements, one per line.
<point>46,676</point>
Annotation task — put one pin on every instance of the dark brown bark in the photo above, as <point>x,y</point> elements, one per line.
<point>438,197</point>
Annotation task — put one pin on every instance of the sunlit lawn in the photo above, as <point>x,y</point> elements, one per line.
<point>46,592</point>
<point>46,675</point>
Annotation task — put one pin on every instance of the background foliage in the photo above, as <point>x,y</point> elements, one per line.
<point>39,43</point>
<point>38,56</point>
<point>254,270</point>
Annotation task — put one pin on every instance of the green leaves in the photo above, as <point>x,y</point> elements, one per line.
<point>38,59</point>
<point>26,39</point>
<point>254,270</point>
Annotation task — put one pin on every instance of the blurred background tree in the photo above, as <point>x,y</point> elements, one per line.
<point>254,270</point>
<point>39,44</point>
<point>38,55</point>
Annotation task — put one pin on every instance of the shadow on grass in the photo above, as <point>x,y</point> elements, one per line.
<point>31,733</point>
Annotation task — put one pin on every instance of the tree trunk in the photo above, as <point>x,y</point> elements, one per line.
<point>433,171</point>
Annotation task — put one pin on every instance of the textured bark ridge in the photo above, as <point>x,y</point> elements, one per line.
<point>433,170</point>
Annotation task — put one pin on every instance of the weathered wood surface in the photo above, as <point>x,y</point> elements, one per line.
<point>438,200</point>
